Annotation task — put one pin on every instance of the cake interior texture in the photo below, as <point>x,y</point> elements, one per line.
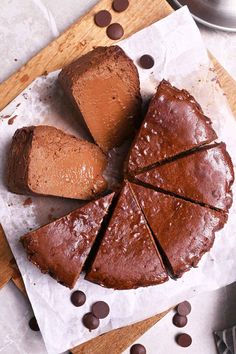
<point>45,160</point>
<point>104,86</point>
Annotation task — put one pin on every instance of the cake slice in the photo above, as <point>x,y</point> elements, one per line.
<point>104,86</point>
<point>205,176</point>
<point>61,247</point>
<point>127,257</point>
<point>184,231</point>
<point>173,124</point>
<point>45,160</point>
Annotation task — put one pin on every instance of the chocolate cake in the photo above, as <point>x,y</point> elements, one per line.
<point>184,231</point>
<point>127,257</point>
<point>61,247</point>
<point>186,183</point>
<point>173,124</point>
<point>45,160</point>
<point>104,86</point>
<point>205,176</point>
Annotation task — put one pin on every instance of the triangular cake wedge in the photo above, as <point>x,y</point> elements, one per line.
<point>205,176</point>
<point>173,124</point>
<point>184,231</point>
<point>61,247</point>
<point>127,256</point>
<point>46,161</point>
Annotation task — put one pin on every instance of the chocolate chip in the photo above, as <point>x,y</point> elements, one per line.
<point>102,18</point>
<point>100,309</point>
<point>137,349</point>
<point>120,5</point>
<point>78,298</point>
<point>184,308</point>
<point>146,61</point>
<point>180,321</point>
<point>184,340</point>
<point>33,324</point>
<point>90,321</point>
<point>115,31</point>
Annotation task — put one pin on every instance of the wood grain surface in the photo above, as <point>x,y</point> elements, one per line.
<point>81,37</point>
<point>8,268</point>
<point>115,342</point>
<point>6,257</point>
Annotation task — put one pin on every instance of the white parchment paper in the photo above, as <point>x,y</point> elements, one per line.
<point>180,57</point>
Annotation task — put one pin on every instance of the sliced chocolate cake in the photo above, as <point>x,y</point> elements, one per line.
<point>173,124</point>
<point>184,231</point>
<point>45,160</point>
<point>104,86</point>
<point>127,257</point>
<point>205,176</point>
<point>61,247</point>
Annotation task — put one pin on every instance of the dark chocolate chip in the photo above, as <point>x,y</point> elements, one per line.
<point>33,324</point>
<point>184,340</point>
<point>146,61</point>
<point>90,321</point>
<point>137,349</point>
<point>115,31</point>
<point>120,5</point>
<point>78,298</point>
<point>180,321</point>
<point>184,308</point>
<point>100,309</point>
<point>102,18</point>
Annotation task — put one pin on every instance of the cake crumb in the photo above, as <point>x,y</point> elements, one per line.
<point>11,120</point>
<point>28,201</point>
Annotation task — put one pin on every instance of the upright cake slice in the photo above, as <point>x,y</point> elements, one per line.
<point>104,86</point>
<point>61,247</point>
<point>45,160</point>
<point>173,124</point>
<point>205,176</point>
<point>183,230</point>
<point>127,257</point>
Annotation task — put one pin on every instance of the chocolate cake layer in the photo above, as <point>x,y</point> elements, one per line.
<point>61,247</point>
<point>127,257</point>
<point>45,160</point>
<point>183,230</point>
<point>205,176</point>
<point>173,124</point>
<point>104,86</point>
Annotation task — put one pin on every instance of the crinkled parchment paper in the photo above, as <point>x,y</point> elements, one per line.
<point>180,57</point>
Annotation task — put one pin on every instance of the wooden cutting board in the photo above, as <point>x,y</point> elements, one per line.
<point>81,37</point>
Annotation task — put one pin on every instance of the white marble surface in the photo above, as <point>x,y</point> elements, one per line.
<point>27,26</point>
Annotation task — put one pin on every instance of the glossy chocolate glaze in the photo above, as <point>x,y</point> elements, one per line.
<point>104,86</point>
<point>127,257</point>
<point>184,231</point>
<point>45,160</point>
<point>173,124</point>
<point>205,176</point>
<point>61,247</point>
